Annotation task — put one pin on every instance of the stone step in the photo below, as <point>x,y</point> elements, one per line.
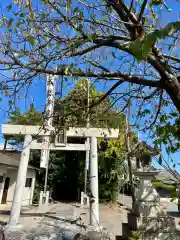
<point>125,230</point>
<point>132,221</point>
<point>121,238</point>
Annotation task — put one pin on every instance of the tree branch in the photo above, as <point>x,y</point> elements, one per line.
<point>123,13</point>
<point>100,42</point>
<point>149,96</point>
<point>130,14</point>
<point>84,51</point>
<point>131,5</point>
<point>142,10</point>
<point>79,73</point>
<point>172,58</point>
<point>158,111</point>
<point>106,94</point>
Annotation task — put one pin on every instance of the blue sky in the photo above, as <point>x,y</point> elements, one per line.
<point>36,92</point>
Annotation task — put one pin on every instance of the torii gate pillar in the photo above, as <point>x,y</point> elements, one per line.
<point>20,183</point>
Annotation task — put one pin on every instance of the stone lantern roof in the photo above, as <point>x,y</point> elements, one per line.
<point>143,147</point>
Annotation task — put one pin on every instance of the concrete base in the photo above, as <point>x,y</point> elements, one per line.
<point>84,199</point>
<point>43,202</point>
<point>12,228</point>
<point>43,208</point>
<point>44,198</point>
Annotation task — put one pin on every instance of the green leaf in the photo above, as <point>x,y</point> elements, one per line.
<point>108,30</point>
<point>136,235</point>
<point>81,15</point>
<point>19,23</point>
<point>58,28</point>
<point>22,15</point>
<point>156,143</point>
<point>146,111</point>
<point>44,1</point>
<point>92,37</point>
<point>156,2</point>
<point>10,102</point>
<point>174,114</point>
<point>10,21</point>
<point>49,44</point>
<point>142,48</point>
<point>168,30</point>
<point>67,8</point>
<point>76,9</point>
<point>80,27</point>
<point>162,119</point>
<point>9,7</point>
<point>31,40</point>
<point>131,84</point>
<point>80,71</point>
<point>67,71</point>
<point>57,45</point>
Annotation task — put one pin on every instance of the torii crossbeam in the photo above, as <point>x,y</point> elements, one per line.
<point>8,129</point>
<point>28,132</point>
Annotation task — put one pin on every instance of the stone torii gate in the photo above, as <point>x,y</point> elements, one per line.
<point>28,132</point>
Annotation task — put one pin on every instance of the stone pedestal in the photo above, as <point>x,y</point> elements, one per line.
<point>84,199</point>
<point>152,220</point>
<point>43,202</point>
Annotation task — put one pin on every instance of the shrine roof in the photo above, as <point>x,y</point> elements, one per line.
<point>166,177</point>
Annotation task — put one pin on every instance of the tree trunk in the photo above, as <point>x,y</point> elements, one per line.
<point>172,87</point>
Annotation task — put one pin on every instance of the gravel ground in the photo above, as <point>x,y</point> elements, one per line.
<point>58,222</point>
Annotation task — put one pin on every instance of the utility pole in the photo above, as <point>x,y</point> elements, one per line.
<point>87,141</point>
<point>128,148</point>
<point>94,198</point>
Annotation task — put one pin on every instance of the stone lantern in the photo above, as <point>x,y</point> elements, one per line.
<point>151,219</point>
<point>144,153</point>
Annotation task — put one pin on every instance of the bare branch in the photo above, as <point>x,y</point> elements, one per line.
<point>142,10</point>
<point>158,111</point>
<point>131,5</point>
<point>123,13</point>
<point>84,51</point>
<point>107,94</point>
<point>124,77</point>
<point>172,58</point>
<point>149,96</point>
